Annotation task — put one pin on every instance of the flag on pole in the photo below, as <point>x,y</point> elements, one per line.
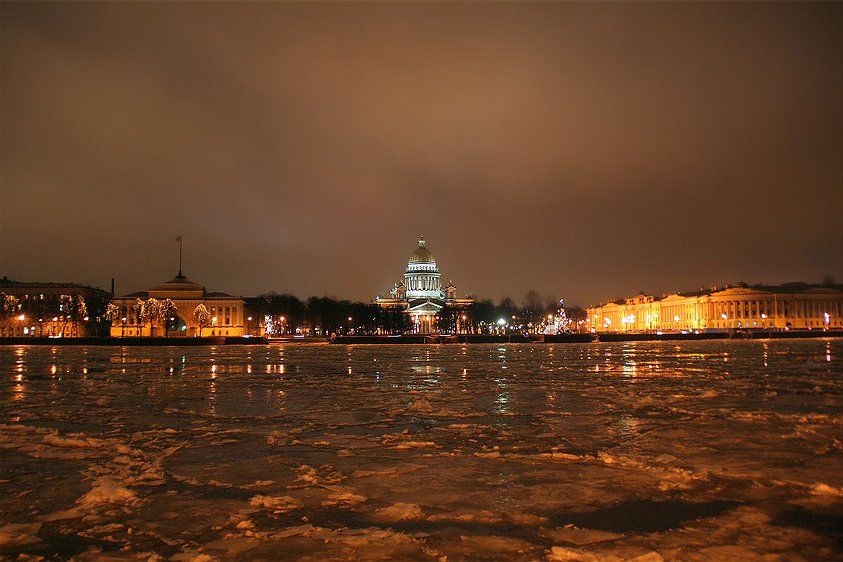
<point>178,238</point>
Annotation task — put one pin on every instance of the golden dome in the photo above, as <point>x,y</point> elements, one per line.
<point>422,254</point>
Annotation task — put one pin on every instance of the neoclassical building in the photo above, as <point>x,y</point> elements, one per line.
<point>226,314</point>
<point>38,309</point>
<point>793,305</point>
<point>420,293</point>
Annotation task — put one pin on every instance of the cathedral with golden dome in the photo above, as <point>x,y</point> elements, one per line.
<point>420,294</point>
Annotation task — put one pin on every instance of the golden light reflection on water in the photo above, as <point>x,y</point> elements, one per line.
<point>628,425</point>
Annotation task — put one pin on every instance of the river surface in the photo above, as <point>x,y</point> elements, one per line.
<point>641,451</point>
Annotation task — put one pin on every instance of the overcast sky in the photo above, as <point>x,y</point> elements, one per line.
<point>584,150</point>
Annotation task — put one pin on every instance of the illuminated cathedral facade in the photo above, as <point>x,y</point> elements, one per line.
<point>420,294</point>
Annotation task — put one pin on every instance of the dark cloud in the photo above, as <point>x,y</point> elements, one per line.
<point>585,150</point>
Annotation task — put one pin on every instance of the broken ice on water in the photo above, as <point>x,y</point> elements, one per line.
<point>625,451</point>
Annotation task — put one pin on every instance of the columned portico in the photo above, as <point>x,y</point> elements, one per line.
<point>420,292</point>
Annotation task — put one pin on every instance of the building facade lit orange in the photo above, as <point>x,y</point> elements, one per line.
<point>226,314</point>
<point>32,309</point>
<point>794,305</point>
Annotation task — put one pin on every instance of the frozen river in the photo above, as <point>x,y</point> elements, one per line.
<point>642,451</point>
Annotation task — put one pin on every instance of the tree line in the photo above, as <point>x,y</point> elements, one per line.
<point>285,314</point>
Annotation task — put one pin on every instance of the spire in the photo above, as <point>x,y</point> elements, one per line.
<point>421,242</point>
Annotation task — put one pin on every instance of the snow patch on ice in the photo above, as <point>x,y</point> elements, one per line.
<point>495,543</point>
<point>414,444</point>
<point>580,537</point>
<point>277,504</point>
<point>481,516</point>
<point>398,512</point>
<point>672,477</point>
<point>344,497</point>
<point>563,554</point>
<point>19,534</point>
<point>107,490</point>
<point>421,405</point>
<point>823,489</point>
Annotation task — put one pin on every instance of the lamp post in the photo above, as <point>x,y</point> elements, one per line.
<point>349,325</point>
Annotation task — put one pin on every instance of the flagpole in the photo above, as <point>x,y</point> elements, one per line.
<point>178,239</point>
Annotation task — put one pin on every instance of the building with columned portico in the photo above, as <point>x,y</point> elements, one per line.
<point>419,293</point>
<point>226,313</point>
<point>777,307</point>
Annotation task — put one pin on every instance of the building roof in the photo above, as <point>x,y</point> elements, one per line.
<point>422,254</point>
<point>179,283</point>
<point>6,283</point>
<point>179,287</point>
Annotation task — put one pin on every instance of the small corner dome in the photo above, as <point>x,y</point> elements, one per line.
<point>422,254</point>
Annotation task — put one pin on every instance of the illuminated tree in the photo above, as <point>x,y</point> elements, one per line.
<point>8,307</point>
<point>151,313</point>
<point>65,304</point>
<point>112,313</point>
<point>137,310</point>
<point>79,312</point>
<point>168,312</point>
<point>73,309</point>
<point>9,304</point>
<point>202,317</point>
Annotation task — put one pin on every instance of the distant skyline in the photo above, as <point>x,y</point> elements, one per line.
<point>586,151</point>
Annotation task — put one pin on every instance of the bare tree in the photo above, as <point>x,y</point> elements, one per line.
<point>202,316</point>
<point>112,313</point>
<point>65,304</point>
<point>8,308</point>
<point>137,309</point>
<point>167,311</point>
<point>151,312</point>
<point>9,304</point>
<point>533,306</point>
<point>80,311</point>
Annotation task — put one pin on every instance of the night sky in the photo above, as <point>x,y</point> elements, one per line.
<point>583,150</point>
